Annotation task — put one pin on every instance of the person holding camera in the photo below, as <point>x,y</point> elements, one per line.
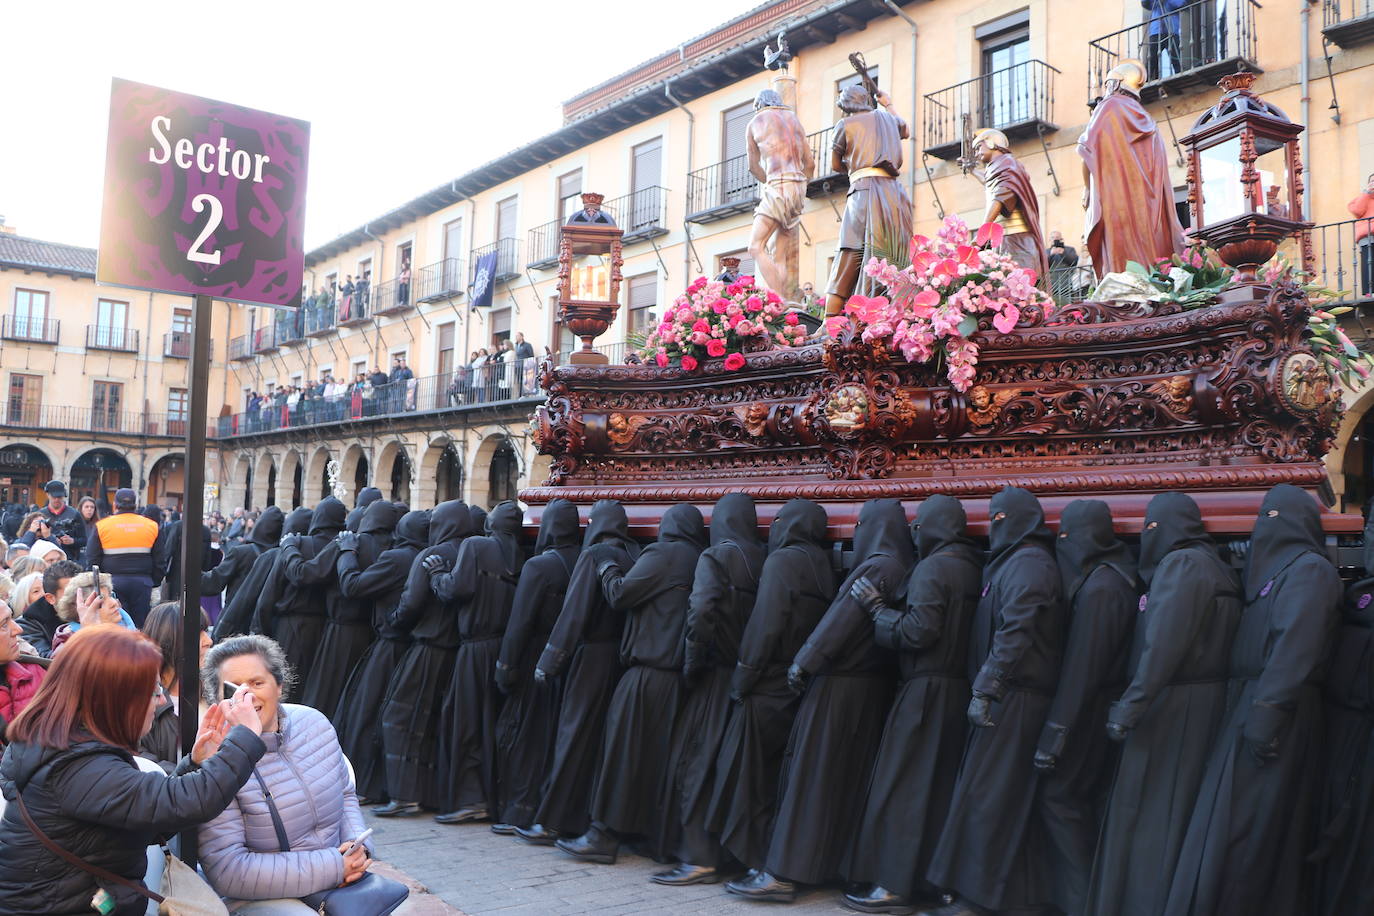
<point>59,522</point>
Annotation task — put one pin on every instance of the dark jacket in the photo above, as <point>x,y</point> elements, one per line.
<point>92,800</point>
<point>239,558</point>
<point>70,523</point>
<point>39,623</point>
<point>126,544</point>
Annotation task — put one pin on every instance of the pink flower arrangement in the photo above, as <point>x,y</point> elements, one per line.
<point>933,306</point>
<point>714,319</point>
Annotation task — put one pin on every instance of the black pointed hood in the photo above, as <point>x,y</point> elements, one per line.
<point>1172,521</point>
<point>735,520</point>
<point>1289,525</point>
<point>1022,522</point>
<point>479,520</point>
<point>882,529</point>
<point>799,521</point>
<point>328,518</point>
<point>450,522</point>
<point>267,531</point>
<point>558,527</point>
<point>366,497</point>
<point>412,530</point>
<point>683,522</point>
<point>608,522</point>
<point>298,522</point>
<point>504,524</point>
<point>1086,541</point>
<point>381,517</point>
<point>941,523</point>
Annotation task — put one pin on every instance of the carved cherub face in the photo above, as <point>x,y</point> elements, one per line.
<point>979,398</point>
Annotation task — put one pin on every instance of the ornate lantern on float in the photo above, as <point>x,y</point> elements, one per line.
<point>589,276</point>
<point>1245,178</point>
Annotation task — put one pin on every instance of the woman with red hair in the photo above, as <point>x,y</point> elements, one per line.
<point>69,777</point>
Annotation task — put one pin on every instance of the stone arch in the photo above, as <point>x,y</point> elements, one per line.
<point>394,473</point>
<point>167,481</point>
<point>264,471</point>
<point>354,467</point>
<point>98,471</point>
<point>499,455</point>
<point>1352,455</point>
<point>237,495</point>
<point>317,476</point>
<point>29,466</point>
<point>441,474</point>
<point>291,479</point>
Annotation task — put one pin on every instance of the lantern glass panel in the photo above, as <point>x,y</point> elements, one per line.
<point>590,280</point>
<point>1272,166</point>
<point>1222,192</point>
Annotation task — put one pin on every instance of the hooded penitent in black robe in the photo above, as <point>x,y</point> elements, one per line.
<point>379,584</point>
<point>724,586</point>
<point>1252,823</point>
<point>348,627</point>
<point>584,648</point>
<point>1102,593</point>
<point>238,560</point>
<point>254,608</point>
<point>923,740</point>
<point>415,696</point>
<point>1170,710</point>
<point>992,850</point>
<point>301,619</point>
<point>366,497</point>
<point>627,797</point>
<point>528,722</point>
<point>1345,813</point>
<point>480,588</point>
<point>796,587</point>
<point>840,720</point>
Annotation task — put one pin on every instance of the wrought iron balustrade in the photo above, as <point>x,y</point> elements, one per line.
<point>721,190</point>
<point>1017,100</point>
<point>106,337</point>
<point>29,330</point>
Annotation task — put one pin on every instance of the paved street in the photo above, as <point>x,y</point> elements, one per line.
<point>477,872</point>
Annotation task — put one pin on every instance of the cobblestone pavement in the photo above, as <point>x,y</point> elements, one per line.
<point>472,869</point>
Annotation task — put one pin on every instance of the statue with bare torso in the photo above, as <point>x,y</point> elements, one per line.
<point>780,158</point>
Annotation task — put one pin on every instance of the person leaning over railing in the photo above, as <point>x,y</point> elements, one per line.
<point>1362,208</point>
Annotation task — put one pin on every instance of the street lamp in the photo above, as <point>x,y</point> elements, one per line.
<point>589,263</point>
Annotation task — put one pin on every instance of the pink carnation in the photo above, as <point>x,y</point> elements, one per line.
<point>753,303</point>
<point>720,305</point>
<point>702,326</point>
<point>734,362</point>
<point>715,348</point>
<point>791,318</point>
<point>661,359</point>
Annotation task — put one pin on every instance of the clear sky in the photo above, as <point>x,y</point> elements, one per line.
<point>401,95</point>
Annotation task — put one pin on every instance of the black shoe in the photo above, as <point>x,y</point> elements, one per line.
<point>463,815</point>
<point>879,900</point>
<point>685,873</point>
<point>763,886</point>
<point>593,846</point>
<point>397,808</point>
<point>503,829</point>
<point>537,835</point>
<point>951,909</point>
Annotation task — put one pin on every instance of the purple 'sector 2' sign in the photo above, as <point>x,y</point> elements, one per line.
<point>203,198</point>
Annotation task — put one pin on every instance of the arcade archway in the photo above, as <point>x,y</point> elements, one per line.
<point>97,474</point>
<point>23,471</point>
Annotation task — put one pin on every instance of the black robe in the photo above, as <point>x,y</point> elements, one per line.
<point>992,850</point>
<point>238,560</point>
<point>1345,821</point>
<point>795,588</point>
<point>410,712</point>
<point>480,588</point>
<point>1102,592</point>
<point>839,723</point>
<point>627,796</point>
<point>253,609</point>
<point>584,650</point>
<point>308,565</point>
<point>366,497</point>
<point>379,584</point>
<point>724,586</point>
<point>1171,708</point>
<point>348,628</point>
<point>1252,824</point>
<point>923,740</point>
<point>528,723</point>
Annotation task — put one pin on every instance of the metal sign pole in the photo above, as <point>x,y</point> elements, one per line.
<point>192,511</point>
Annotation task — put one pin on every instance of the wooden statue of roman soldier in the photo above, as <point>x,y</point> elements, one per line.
<point>1012,203</point>
<point>1128,194</point>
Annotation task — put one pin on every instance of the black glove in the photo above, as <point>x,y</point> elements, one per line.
<point>290,540</point>
<point>798,678</point>
<point>507,678</point>
<point>866,594</point>
<point>736,697</point>
<point>606,565</point>
<point>980,712</point>
<point>434,564</point>
<point>347,540</point>
<point>1045,761</point>
<point>1117,732</point>
<point>1263,753</point>
<point>540,676</point>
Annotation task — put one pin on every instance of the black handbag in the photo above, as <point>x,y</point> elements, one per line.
<point>370,895</point>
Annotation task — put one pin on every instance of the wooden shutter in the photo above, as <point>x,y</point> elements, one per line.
<point>737,182</point>
<point>505,218</point>
<point>642,298</point>
<point>569,194</point>
<point>648,164</point>
<point>500,323</point>
<point>453,238</point>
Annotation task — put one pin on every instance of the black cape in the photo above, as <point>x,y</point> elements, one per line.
<point>528,723</point>
<point>923,740</point>
<point>992,851</point>
<point>839,723</point>
<point>653,594</point>
<point>366,497</point>
<point>1172,707</point>
<point>1252,824</point>
<point>238,560</point>
<point>584,650</point>
<point>253,609</point>
<point>379,584</point>
<point>307,564</point>
<point>795,588</point>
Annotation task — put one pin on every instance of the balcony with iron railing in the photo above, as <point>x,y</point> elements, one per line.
<point>85,419</point>
<point>721,190</point>
<point>355,307</point>
<point>1194,46</point>
<point>319,318</point>
<point>824,180</point>
<point>290,327</point>
<point>177,345</point>
<point>640,215</point>
<point>1017,100</point>
<point>29,330</point>
<point>441,280</point>
<point>393,297</point>
<point>507,260</point>
<point>1342,259</point>
<point>106,337</point>
<point>241,348</point>
<point>264,339</point>
<point>1347,23</point>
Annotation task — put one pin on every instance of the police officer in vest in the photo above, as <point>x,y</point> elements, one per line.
<point>124,546</point>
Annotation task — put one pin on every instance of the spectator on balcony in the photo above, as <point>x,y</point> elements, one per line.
<point>378,377</point>
<point>400,375</point>
<point>523,348</point>
<point>1164,28</point>
<point>1063,261</point>
<point>1362,208</point>
<point>346,303</point>
<point>478,372</point>
<point>403,284</point>
<point>360,294</point>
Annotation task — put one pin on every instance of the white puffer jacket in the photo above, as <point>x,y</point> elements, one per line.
<point>310,782</point>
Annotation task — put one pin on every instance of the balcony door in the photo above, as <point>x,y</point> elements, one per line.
<point>646,173</point>
<point>107,399</point>
<point>111,319</point>
<point>736,181</point>
<point>507,212</point>
<point>1006,84</point>
<point>444,364</point>
<point>177,411</point>
<point>26,399</point>
<point>453,244</point>
<point>30,313</point>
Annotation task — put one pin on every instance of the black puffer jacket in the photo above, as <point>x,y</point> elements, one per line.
<point>93,801</point>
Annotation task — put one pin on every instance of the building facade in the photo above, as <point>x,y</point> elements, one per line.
<point>664,143</point>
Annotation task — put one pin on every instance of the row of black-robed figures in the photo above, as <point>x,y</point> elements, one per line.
<point>1058,723</point>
